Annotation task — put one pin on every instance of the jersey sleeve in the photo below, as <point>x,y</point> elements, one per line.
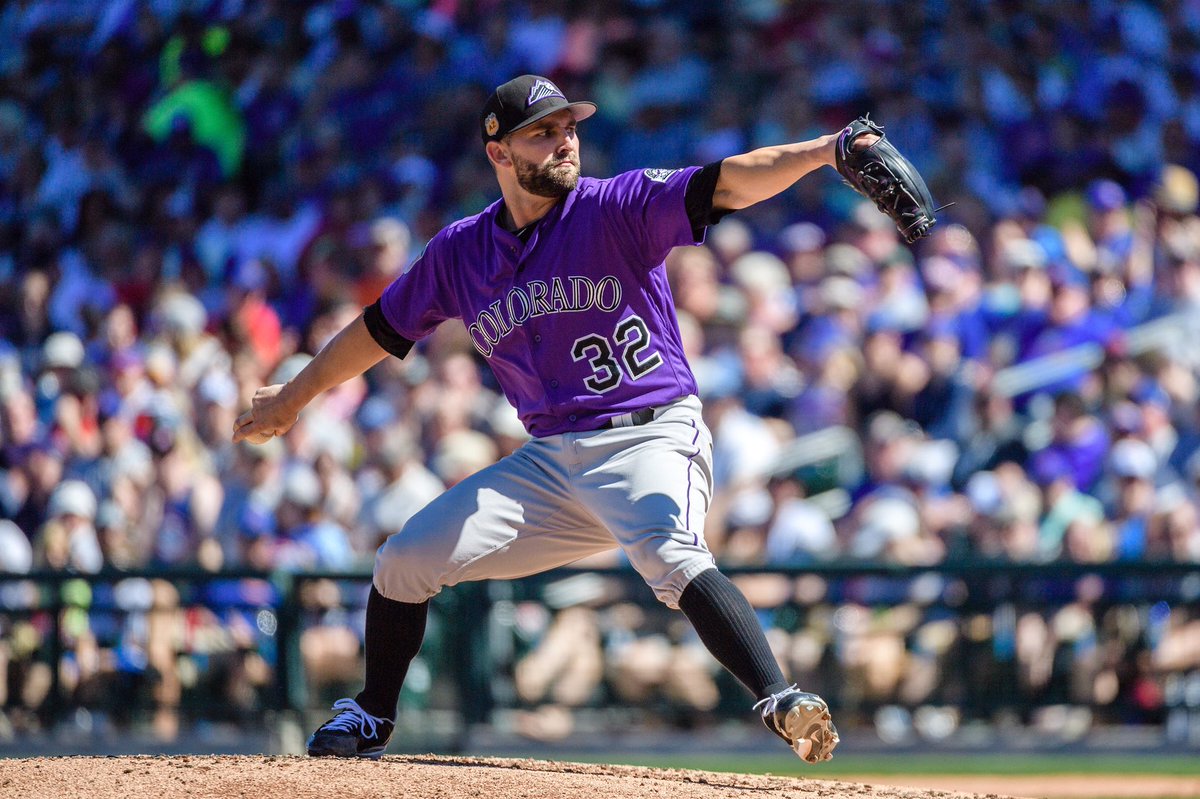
<point>701,188</point>
<point>381,330</point>
<point>649,207</point>
<point>421,298</point>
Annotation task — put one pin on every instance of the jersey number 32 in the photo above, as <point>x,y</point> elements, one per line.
<point>629,343</point>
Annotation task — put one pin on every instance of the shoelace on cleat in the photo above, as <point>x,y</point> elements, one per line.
<point>772,702</point>
<point>353,718</point>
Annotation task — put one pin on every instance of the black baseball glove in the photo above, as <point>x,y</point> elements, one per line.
<point>885,177</point>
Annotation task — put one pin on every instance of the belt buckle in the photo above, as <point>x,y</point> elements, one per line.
<point>623,420</point>
<point>632,418</point>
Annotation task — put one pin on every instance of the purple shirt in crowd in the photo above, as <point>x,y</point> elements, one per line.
<point>578,324</point>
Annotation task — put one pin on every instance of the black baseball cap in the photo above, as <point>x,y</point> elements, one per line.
<point>523,101</point>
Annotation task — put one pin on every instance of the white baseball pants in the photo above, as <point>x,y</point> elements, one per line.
<point>561,498</point>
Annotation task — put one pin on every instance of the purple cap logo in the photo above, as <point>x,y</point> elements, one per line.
<point>540,90</point>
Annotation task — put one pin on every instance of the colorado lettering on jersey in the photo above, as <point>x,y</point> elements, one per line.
<point>573,294</point>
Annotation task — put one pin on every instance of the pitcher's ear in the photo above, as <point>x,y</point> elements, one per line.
<point>497,153</point>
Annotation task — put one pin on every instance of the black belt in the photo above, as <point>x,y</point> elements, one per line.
<point>631,419</point>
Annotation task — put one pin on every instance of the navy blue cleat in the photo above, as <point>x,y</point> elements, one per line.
<point>353,732</point>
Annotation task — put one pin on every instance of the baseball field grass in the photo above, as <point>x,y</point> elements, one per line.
<point>1115,775</point>
<point>846,764</point>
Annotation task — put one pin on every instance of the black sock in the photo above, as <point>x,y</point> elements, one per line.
<point>729,629</point>
<point>394,631</point>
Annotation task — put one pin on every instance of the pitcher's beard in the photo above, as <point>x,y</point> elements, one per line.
<point>546,180</point>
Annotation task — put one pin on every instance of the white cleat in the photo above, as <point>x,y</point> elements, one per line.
<point>803,720</point>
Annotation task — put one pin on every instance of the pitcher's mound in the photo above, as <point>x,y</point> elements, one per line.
<point>412,777</point>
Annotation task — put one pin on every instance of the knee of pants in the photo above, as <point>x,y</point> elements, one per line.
<point>670,585</point>
<point>405,571</point>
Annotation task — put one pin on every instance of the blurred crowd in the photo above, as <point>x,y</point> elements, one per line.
<point>925,659</point>
<point>196,195</point>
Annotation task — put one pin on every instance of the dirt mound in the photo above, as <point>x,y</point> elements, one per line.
<point>1056,786</point>
<point>413,777</point>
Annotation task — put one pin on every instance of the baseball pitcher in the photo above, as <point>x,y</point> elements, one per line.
<point>562,288</point>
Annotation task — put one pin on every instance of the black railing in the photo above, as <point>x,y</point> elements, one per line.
<point>471,619</point>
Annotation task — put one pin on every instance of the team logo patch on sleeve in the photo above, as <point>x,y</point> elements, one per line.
<point>659,175</point>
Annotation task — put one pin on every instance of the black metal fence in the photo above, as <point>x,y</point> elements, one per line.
<point>903,652</point>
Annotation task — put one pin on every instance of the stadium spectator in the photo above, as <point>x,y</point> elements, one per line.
<point>190,201</point>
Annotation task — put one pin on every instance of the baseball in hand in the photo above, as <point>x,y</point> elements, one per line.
<point>261,437</point>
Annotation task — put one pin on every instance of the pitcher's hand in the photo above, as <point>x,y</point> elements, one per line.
<point>270,415</point>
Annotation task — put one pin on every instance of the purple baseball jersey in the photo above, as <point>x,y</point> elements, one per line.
<point>578,324</point>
